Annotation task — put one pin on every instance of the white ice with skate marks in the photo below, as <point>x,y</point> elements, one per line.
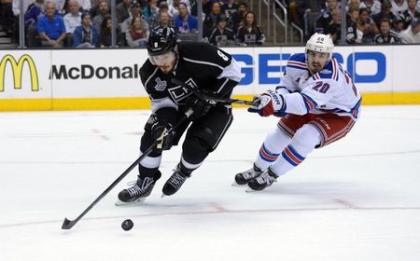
<point>358,199</point>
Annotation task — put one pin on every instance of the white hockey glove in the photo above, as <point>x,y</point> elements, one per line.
<point>269,103</point>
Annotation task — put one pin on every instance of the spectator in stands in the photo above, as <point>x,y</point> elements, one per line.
<point>297,10</point>
<point>207,6</point>
<point>60,6</point>
<point>411,35</point>
<point>102,11</point>
<point>134,12</point>
<point>386,36</point>
<point>85,35</point>
<point>370,29</point>
<point>250,33</point>
<point>72,19</point>
<point>94,8</point>
<point>410,13</point>
<point>150,11</point>
<point>211,19</point>
<point>384,14</point>
<point>229,8</point>
<point>122,10</point>
<point>31,19</point>
<point>353,4</point>
<point>167,19</point>
<point>6,16</point>
<point>237,18</point>
<point>355,26</point>
<point>16,13</point>
<point>333,28</point>
<point>221,35</point>
<point>105,37</point>
<point>184,22</point>
<point>51,28</point>
<point>325,20</point>
<point>174,6</point>
<point>373,6</point>
<point>85,5</point>
<point>398,7</point>
<point>398,25</point>
<point>137,34</point>
<point>16,6</point>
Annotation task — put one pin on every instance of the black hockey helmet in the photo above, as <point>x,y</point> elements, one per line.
<point>161,40</point>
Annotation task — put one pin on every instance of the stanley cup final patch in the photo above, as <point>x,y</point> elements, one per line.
<point>160,85</point>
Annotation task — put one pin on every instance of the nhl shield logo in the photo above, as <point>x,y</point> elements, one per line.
<point>160,85</point>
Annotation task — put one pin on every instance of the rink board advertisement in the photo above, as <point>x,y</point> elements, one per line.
<point>110,79</point>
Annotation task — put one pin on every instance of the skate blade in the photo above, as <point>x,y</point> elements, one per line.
<point>139,201</point>
<point>234,184</point>
<point>250,190</point>
<point>131,183</point>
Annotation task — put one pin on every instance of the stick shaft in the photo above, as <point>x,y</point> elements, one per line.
<point>207,97</point>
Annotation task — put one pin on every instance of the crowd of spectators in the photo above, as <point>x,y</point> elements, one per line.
<point>367,21</point>
<point>88,23</point>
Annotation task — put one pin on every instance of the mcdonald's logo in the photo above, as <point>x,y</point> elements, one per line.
<point>17,69</point>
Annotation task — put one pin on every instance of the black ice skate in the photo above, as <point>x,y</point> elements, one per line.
<point>140,190</point>
<point>263,181</point>
<point>174,183</point>
<point>243,177</point>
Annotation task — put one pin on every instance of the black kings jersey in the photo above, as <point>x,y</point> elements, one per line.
<point>200,65</point>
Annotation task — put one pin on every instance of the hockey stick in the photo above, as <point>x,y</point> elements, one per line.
<point>207,97</point>
<point>68,224</point>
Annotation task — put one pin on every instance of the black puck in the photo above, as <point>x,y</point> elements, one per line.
<point>127,224</point>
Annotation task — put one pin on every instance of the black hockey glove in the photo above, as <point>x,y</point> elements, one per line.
<point>199,106</point>
<point>160,133</point>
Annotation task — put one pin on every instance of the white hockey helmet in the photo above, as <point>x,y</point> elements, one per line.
<point>320,43</point>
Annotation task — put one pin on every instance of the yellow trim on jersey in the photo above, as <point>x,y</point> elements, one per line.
<point>126,103</point>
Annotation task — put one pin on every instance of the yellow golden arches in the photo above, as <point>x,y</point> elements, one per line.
<point>17,69</point>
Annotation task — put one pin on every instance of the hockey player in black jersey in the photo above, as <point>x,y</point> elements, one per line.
<point>210,71</point>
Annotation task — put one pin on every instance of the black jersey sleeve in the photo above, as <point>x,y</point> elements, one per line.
<point>205,58</point>
<point>206,61</point>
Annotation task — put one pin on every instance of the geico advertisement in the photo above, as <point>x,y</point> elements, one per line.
<point>265,67</point>
<point>113,73</point>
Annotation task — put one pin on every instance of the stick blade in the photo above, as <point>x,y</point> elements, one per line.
<point>67,224</point>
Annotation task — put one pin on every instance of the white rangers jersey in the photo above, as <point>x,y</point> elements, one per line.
<point>329,91</point>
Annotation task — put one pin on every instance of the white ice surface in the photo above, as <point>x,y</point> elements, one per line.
<point>357,199</point>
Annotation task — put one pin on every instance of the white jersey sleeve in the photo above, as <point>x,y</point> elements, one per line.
<point>329,91</point>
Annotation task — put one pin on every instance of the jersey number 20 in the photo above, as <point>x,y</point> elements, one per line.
<point>321,87</point>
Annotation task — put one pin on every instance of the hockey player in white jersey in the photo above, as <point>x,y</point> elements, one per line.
<point>318,104</point>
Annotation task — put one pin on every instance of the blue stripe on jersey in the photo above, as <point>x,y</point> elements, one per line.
<point>330,71</point>
<point>355,110</point>
<point>309,102</point>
